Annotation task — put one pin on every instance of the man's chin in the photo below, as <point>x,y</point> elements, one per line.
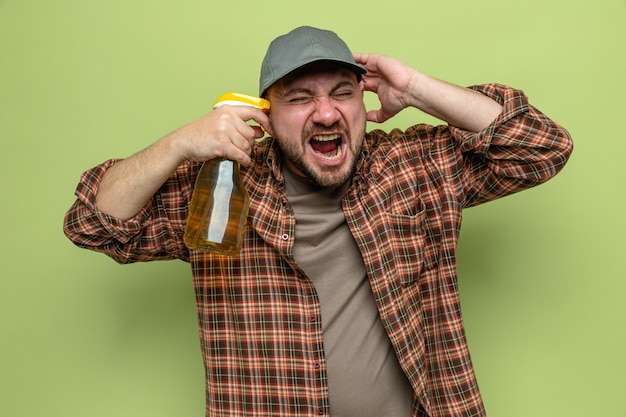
<point>322,174</point>
<point>329,178</point>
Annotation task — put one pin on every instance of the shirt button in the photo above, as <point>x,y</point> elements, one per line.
<point>320,411</point>
<point>317,365</point>
<point>312,318</point>
<point>285,236</point>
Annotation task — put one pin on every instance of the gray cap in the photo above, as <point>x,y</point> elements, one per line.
<point>300,47</point>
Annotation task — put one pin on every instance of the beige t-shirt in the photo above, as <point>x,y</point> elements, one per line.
<point>364,376</point>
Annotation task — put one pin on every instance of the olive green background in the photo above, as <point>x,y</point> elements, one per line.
<point>542,273</point>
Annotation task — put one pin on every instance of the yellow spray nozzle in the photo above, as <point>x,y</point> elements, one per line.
<point>238,99</point>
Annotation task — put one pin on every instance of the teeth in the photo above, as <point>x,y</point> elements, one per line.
<point>339,152</point>
<point>326,138</point>
<point>329,138</point>
<point>334,157</point>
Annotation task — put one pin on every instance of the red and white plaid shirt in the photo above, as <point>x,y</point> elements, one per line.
<point>259,316</point>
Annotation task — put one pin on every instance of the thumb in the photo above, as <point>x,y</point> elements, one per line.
<point>377,116</point>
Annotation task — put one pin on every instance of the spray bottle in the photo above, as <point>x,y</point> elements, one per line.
<point>219,203</point>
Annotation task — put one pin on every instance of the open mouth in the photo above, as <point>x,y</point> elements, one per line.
<point>328,147</point>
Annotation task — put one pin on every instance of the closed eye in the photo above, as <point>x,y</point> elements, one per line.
<point>344,90</point>
<point>301,99</point>
<point>343,94</point>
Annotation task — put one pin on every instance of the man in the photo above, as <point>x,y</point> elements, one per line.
<point>343,299</point>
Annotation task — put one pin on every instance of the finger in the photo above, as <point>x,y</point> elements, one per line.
<point>367,60</point>
<point>238,155</point>
<point>244,137</point>
<point>378,116</point>
<point>259,132</point>
<point>263,120</point>
<point>259,116</point>
<point>360,58</point>
<point>245,113</point>
<point>370,83</point>
<point>373,116</point>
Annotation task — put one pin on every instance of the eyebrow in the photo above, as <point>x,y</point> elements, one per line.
<point>308,91</point>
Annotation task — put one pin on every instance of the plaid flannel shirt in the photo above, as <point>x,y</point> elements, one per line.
<point>259,316</point>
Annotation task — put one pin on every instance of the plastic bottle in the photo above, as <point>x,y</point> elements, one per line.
<point>219,204</point>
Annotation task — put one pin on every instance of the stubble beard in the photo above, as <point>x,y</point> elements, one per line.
<point>329,177</point>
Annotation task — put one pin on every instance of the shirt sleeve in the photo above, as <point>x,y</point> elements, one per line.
<point>522,148</point>
<point>155,233</point>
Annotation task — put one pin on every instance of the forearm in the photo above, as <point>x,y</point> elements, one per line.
<point>460,107</point>
<point>152,234</point>
<point>128,185</point>
<point>522,149</point>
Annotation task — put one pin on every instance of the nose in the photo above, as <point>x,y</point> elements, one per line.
<point>326,112</point>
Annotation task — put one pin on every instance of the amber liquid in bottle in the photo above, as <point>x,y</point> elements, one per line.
<point>218,209</point>
<point>219,204</point>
